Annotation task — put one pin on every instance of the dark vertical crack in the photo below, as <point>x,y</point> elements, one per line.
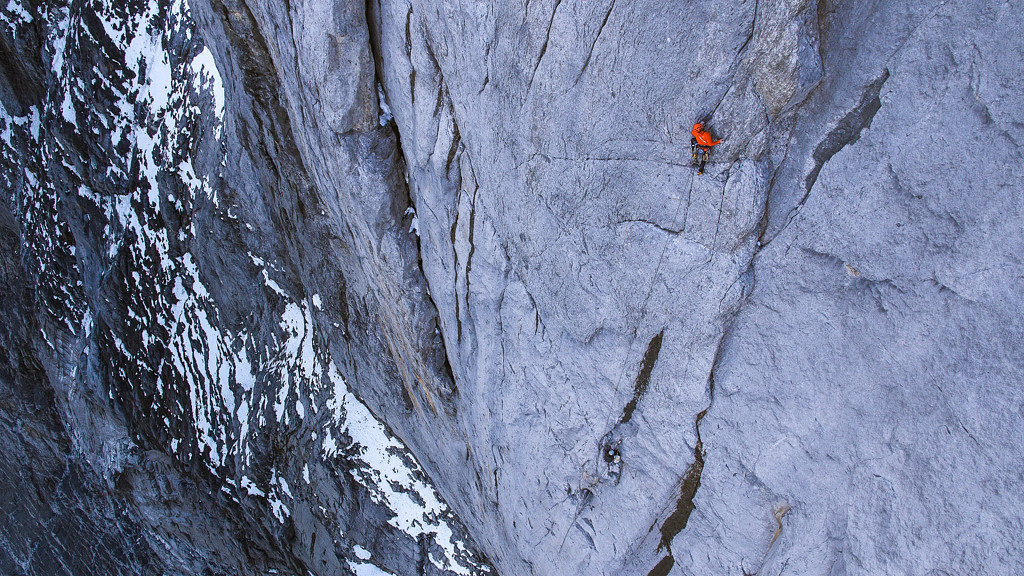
<point>487,70</point>
<point>455,253</point>
<point>408,52</point>
<point>690,483</point>
<point>643,378</point>
<point>442,359</point>
<point>750,36</point>
<point>342,300</point>
<point>765,219</point>
<point>676,521</point>
<point>721,208</point>
<point>847,131</point>
<point>825,10</point>
<point>440,91</point>
<point>735,64</point>
<point>454,149</point>
<point>590,53</point>
<point>372,13</point>
<point>544,47</point>
<point>684,506</point>
<point>472,246</point>
<point>538,322</point>
<point>408,32</point>
<point>664,567</point>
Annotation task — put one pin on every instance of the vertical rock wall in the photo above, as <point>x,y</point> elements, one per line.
<point>754,341</point>
<point>482,218</point>
<point>171,404</point>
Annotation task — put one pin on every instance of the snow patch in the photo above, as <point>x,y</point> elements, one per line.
<point>15,15</point>
<point>250,487</point>
<point>385,110</point>
<point>414,227</point>
<point>393,482</point>
<point>205,69</point>
<point>363,569</point>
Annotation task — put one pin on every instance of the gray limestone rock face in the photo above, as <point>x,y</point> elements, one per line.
<point>775,348</point>
<point>870,393</point>
<point>248,245</point>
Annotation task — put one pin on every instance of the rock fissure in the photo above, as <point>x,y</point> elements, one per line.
<point>671,231</point>
<point>846,132</point>
<point>590,53</point>
<point>737,61</point>
<point>909,35</point>
<point>721,209</point>
<point>690,482</point>
<point>643,377</point>
<point>765,220</point>
<point>544,46</point>
<point>408,53</point>
<point>750,36</point>
<point>455,278</point>
<point>472,245</point>
<point>663,567</point>
<point>454,149</point>
<point>688,486</point>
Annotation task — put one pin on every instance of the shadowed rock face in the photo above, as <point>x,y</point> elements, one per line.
<point>225,221</point>
<point>170,400</point>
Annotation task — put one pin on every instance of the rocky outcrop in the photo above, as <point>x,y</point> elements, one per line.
<point>171,404</point>
<point>481,217</point>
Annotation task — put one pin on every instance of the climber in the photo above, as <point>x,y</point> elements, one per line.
<point>700,145</point>
<point>611,452</point>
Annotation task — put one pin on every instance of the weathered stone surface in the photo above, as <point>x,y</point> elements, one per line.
<point>869,390</point>
<point>563,237</point>
<point>483,218</point>
<point>168,251</point>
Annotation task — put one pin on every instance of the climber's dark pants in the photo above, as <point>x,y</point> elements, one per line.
<point>700,154</point>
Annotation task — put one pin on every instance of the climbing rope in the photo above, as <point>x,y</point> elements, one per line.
<point>588,493</point>
<point>657,271</point>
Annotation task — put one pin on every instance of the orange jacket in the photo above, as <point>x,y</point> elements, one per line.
<point>702,135</point>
